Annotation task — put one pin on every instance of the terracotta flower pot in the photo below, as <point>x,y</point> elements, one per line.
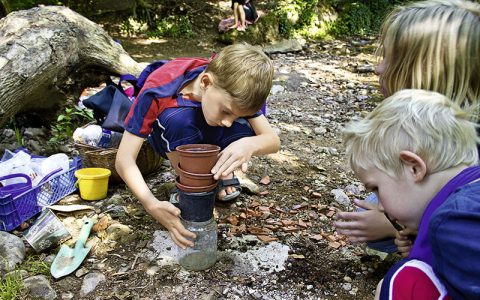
<point>198,158</point>
<point>195,180</point>
<point>195,189</point>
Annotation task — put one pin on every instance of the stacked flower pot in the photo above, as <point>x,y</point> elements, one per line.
<point>197,190</point>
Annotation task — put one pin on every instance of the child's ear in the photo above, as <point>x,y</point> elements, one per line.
<point>415,164</point>
<point>206,80</point>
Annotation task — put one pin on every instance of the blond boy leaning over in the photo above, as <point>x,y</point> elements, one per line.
<point>417,151</point>
<point>200,100</point>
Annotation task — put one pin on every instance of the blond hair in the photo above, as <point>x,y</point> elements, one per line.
<point>244,72</point>
<point>426,123</point>
<point>433,45</point>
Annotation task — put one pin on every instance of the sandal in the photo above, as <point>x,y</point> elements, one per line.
<point>230,182</point>
<point>174,197</point>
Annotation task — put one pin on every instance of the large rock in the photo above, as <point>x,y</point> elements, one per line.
<point>47,51</point>
<point>12,251</point>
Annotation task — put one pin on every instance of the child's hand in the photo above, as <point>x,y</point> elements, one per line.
<point>363,226</point>
<point>404,242</point>
<point>169,216</point>
<point>235,155</point>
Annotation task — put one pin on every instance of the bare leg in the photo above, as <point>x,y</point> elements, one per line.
<point>242,16</point>
<point>235,14</point>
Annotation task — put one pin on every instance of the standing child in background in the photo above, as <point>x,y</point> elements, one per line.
<point>193,101</point>
<point>243,12</point>
<point>417,151</point>
<point>432,45</point>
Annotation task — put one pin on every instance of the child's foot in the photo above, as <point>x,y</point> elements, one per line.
<point>241,28</point>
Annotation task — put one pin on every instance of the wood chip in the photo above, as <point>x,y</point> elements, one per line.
<point>316,237</point>
<point>316,195</point>
<point>264,193</point>
<point>265,180</point>
<point>297,256</point>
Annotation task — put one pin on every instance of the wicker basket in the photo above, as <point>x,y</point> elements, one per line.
<point>147,161</point>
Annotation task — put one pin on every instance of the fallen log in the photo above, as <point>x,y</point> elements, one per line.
<point>45,50</point>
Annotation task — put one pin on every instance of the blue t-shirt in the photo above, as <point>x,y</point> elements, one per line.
<point>454,235</point>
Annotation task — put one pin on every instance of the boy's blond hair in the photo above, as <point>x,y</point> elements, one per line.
<point>245,72</point>
<point>433,45</point>
<point>423,122</point>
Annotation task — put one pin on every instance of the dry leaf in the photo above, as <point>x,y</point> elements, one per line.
<point>290,229</point>
<point>265,180</point>
<point>259,231</point>
<point>266,239</point>
<point>266,215</point>
<point>102,224</point>
<point>331,238</point>
<point>254,204</point>
<point>271,227</point>
<point>316,237</point>
<point>335,245</point>
<point>243,215</point>
<point>287,222</point>
<point>238,229</point>
<point>264,208</point>
<point>301,223</point>
<point>233,220</point>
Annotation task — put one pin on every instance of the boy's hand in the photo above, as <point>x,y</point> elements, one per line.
<point>235,155</point>
<point>403,240</point>
<point>362,226</point>
<point>169,216</point>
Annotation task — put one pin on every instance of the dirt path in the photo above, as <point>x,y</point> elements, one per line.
<point>315,92</point>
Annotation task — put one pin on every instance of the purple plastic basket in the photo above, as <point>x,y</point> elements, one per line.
<point>16,209</point>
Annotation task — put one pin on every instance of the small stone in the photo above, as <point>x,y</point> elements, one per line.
<point>68,296</point>
<point>82,271</point>
<point>152,270</point>
<point>347,279</point>
<point>90,282</point>
<point>347,286</point>
<point>39,287</point>
<point>340,196</point>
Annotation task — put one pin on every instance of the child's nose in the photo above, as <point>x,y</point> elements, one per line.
<point>227,123</point>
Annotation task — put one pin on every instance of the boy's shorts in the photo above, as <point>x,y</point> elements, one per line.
<point>186,125</point>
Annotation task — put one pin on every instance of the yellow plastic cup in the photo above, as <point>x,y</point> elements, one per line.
<point>92,183</point>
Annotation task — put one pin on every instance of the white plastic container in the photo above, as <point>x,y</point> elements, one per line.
<point>95,135</point>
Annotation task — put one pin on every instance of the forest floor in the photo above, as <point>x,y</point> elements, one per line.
<point>316,91</point>
<point>277,243</point>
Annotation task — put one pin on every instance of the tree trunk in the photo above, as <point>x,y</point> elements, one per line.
<point>45,50</point>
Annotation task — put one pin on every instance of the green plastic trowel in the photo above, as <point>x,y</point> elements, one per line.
<point>68,259</point>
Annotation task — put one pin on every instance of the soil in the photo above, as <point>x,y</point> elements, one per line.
<point>295,207</point>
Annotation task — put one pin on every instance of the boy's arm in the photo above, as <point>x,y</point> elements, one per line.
<point>164,212</point>
<point>239,152</point>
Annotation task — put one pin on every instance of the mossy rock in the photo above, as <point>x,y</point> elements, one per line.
<point>264,31</point>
